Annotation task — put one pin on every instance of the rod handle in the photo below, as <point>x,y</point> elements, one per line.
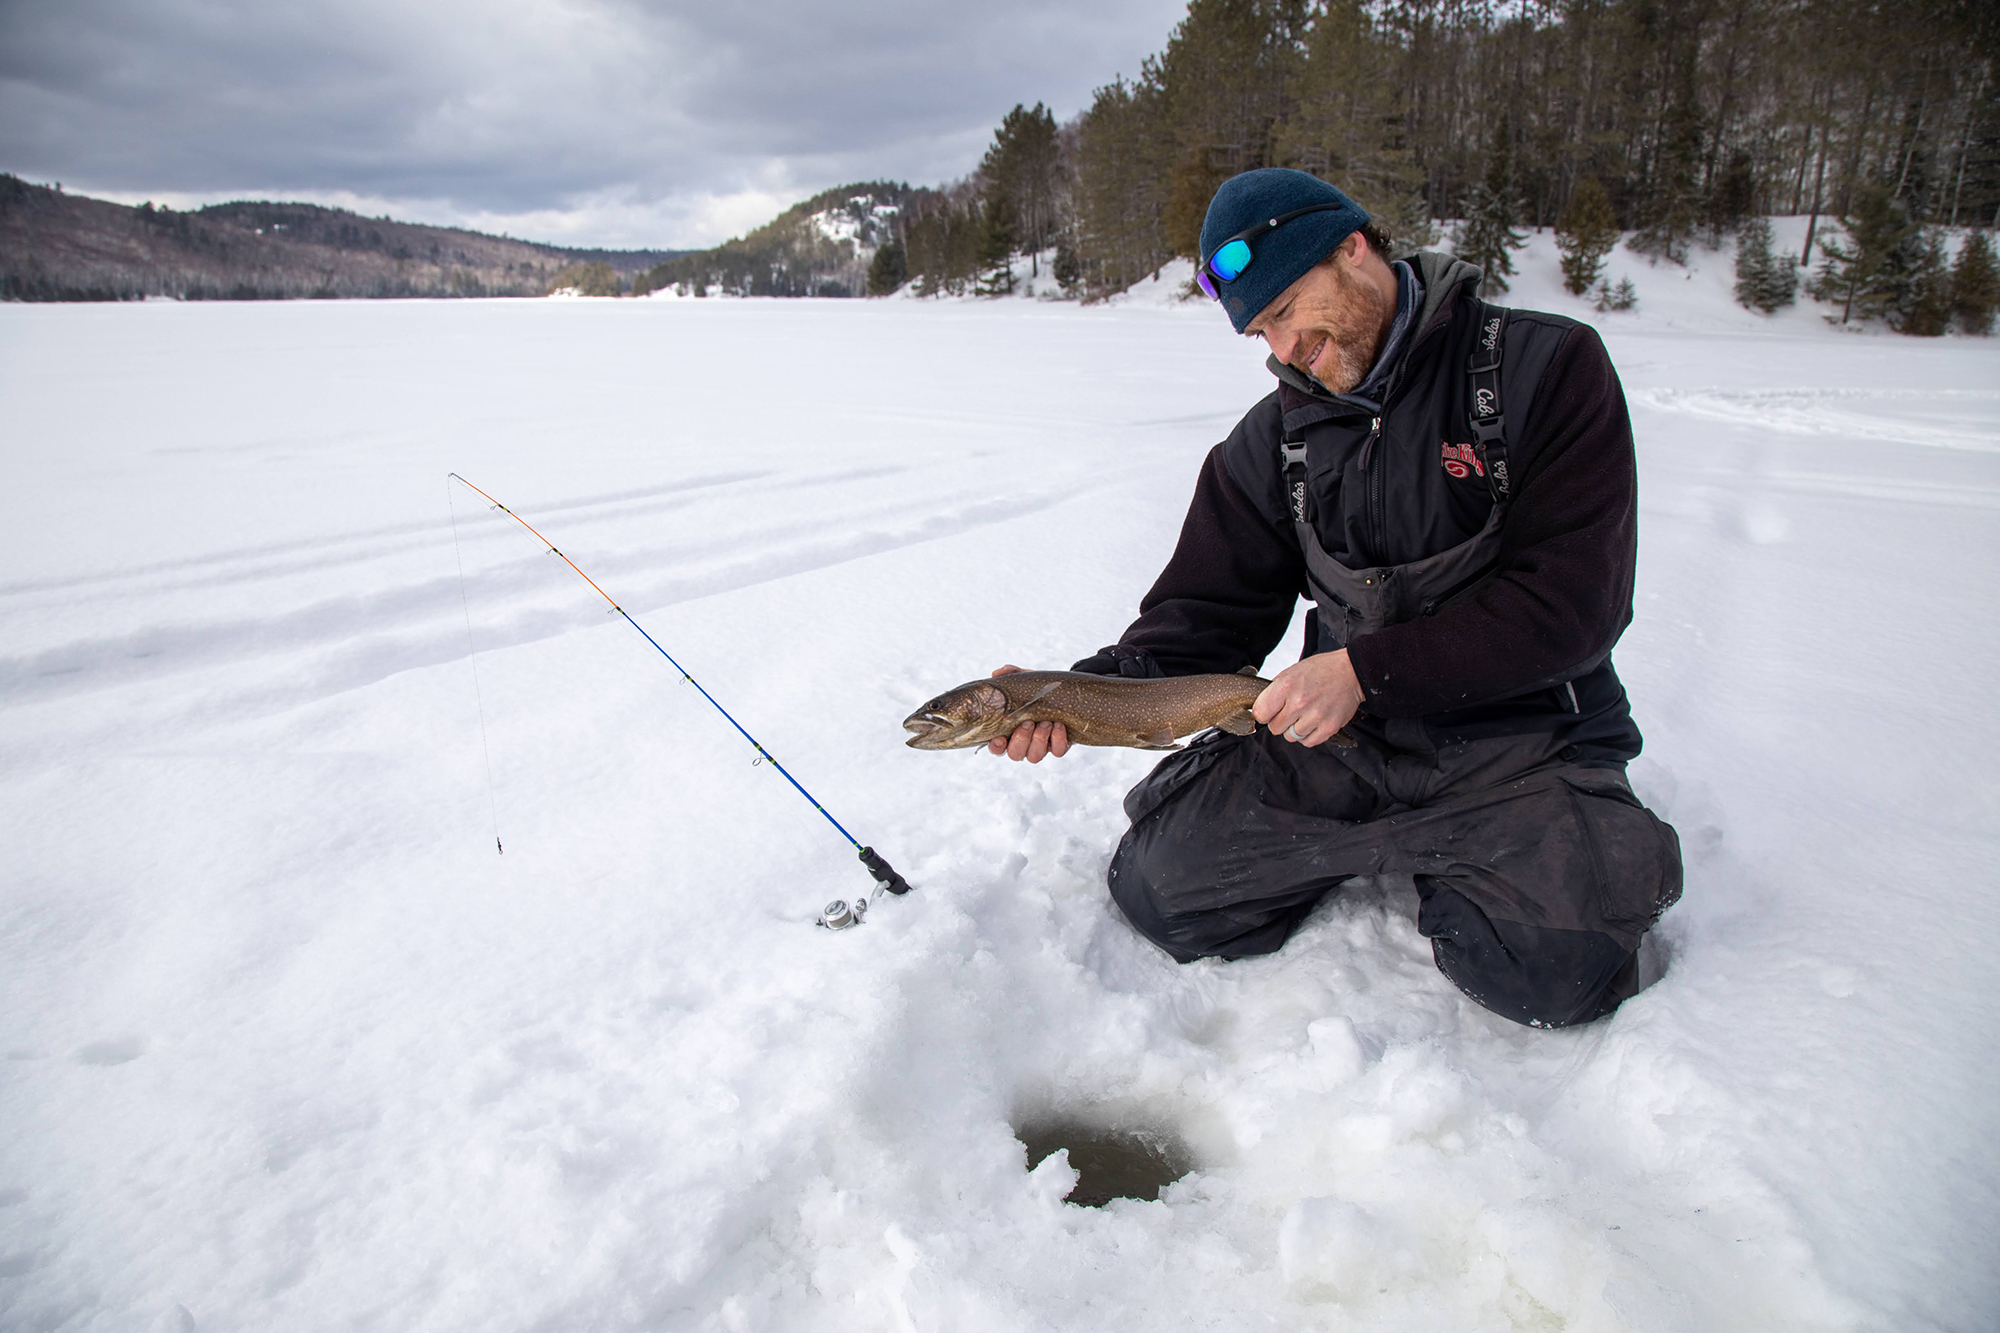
<point>884,873</point>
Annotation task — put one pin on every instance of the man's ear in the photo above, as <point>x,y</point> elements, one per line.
<point>1351,251</point>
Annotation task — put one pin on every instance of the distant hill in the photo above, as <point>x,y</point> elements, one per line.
<point>820,247</point>
<point>66,247</point>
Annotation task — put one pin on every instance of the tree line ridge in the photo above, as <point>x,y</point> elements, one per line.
<point>1675,123</point>
<point>56,246</point>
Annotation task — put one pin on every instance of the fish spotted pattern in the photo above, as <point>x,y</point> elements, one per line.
<point>1095,710</point>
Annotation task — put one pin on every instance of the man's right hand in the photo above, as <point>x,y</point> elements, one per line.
<point>1032,741</point>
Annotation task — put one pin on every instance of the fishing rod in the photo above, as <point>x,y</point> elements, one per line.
<point>838,914</point>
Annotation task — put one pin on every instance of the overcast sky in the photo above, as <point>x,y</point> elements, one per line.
<point>594,122</point>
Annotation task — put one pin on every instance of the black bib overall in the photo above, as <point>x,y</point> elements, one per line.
<point>1538,875</point>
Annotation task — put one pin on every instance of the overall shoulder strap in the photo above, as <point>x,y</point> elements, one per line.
<point>1489,424</point>
<point>1292,462</point>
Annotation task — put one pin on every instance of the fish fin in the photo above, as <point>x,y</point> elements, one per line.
<point>1343,740</point>
<point>1013,719</point>
<point>1157,739</point>
<point>1238,724</point>
<point>1159,747</point>
<point>1246,671</point>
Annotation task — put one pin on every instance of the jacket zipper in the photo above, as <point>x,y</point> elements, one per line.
<point>1374,515</point>
<point>1376,518</point>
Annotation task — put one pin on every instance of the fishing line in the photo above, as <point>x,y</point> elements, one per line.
<point>472,655</point>
<point>884,874</point>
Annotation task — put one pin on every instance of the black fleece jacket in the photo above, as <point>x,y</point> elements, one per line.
<point>1529,647</point>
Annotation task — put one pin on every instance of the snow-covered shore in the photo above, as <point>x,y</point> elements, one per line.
<point>288,1046</point>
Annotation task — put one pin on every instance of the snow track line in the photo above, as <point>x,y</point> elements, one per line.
<point>371,537</point>
<point>362,640</point>
<point>1833,412</point>
<point>371,547</point>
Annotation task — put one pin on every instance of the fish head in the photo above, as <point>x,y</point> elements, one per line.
<point>970,715</point>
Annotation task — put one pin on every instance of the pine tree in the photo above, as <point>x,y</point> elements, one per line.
<point>927,245</point>
<point>945,233</point>
<point>1764,281</point>
<point>1586,232</point>
<point>1225,80</point>
<point>1488,237</point>
<point>1866,271</point>
<point>1405,220</point>
<point>1121,188</point>
<point>1926,307</point>
<point>889,269</point>
<point>1347,123</point>
<point>1732,197</point>
<point>998,243</point>
<point>1673,201</point>
<point>1067,269</point>
<point>1975,285</point>
<point>1019,175</point>
<point>1622,297</point>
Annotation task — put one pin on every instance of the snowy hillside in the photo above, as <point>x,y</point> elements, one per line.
<point>289,1047</point>
<point>1698,297</point>
<point>818,247</point>
<point>861,219</point>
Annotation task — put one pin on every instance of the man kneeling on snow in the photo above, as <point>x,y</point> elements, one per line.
<point>1452,484</point>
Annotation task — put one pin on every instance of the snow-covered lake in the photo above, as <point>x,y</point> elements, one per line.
<point>287,1046</point>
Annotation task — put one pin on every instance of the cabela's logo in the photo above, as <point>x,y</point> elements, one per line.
<point>1482,402</point>
<point>1461,460</point>
<point>1492,338</point>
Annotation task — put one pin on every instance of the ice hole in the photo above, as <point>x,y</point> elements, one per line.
<point>1110,1163</point>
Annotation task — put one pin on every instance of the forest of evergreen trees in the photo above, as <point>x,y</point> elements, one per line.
<point>1679,120</point>
<point>1665,123</point>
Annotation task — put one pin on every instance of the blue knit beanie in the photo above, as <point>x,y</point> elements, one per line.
<point>1281,256</point>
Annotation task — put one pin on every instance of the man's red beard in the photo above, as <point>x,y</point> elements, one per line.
<point>1355,331</point>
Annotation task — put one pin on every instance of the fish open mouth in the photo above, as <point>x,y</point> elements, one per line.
<point>928,730</point>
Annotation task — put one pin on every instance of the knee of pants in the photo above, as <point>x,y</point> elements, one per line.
<point>1129,892</point>
<point>1531,974</point>
<point>1241,929</point>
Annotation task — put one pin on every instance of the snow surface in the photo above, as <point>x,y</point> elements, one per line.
<point>288,1046</point>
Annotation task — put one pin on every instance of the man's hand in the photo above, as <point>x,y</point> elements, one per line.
<point>1309,701</point>
<point>1032,741</point>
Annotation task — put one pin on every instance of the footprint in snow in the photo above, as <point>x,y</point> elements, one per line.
<point>1756,521</point>
<point>115,1051</point>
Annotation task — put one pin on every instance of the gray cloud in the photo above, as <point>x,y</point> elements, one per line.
<point>618,122</point>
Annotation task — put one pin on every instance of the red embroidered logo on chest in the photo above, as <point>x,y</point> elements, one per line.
<point>1460,460</point>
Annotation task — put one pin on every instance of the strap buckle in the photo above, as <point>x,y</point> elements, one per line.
<point>1292,460</point>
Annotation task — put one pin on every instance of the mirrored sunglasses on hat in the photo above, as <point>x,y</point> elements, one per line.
<point>1233,256</point>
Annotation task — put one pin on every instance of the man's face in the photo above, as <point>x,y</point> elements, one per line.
<point>1331,322</point>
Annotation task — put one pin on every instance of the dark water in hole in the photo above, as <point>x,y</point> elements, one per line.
<point>1110,1163</point>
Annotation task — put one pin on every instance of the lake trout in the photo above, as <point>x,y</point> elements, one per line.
<point>1095,710</point>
